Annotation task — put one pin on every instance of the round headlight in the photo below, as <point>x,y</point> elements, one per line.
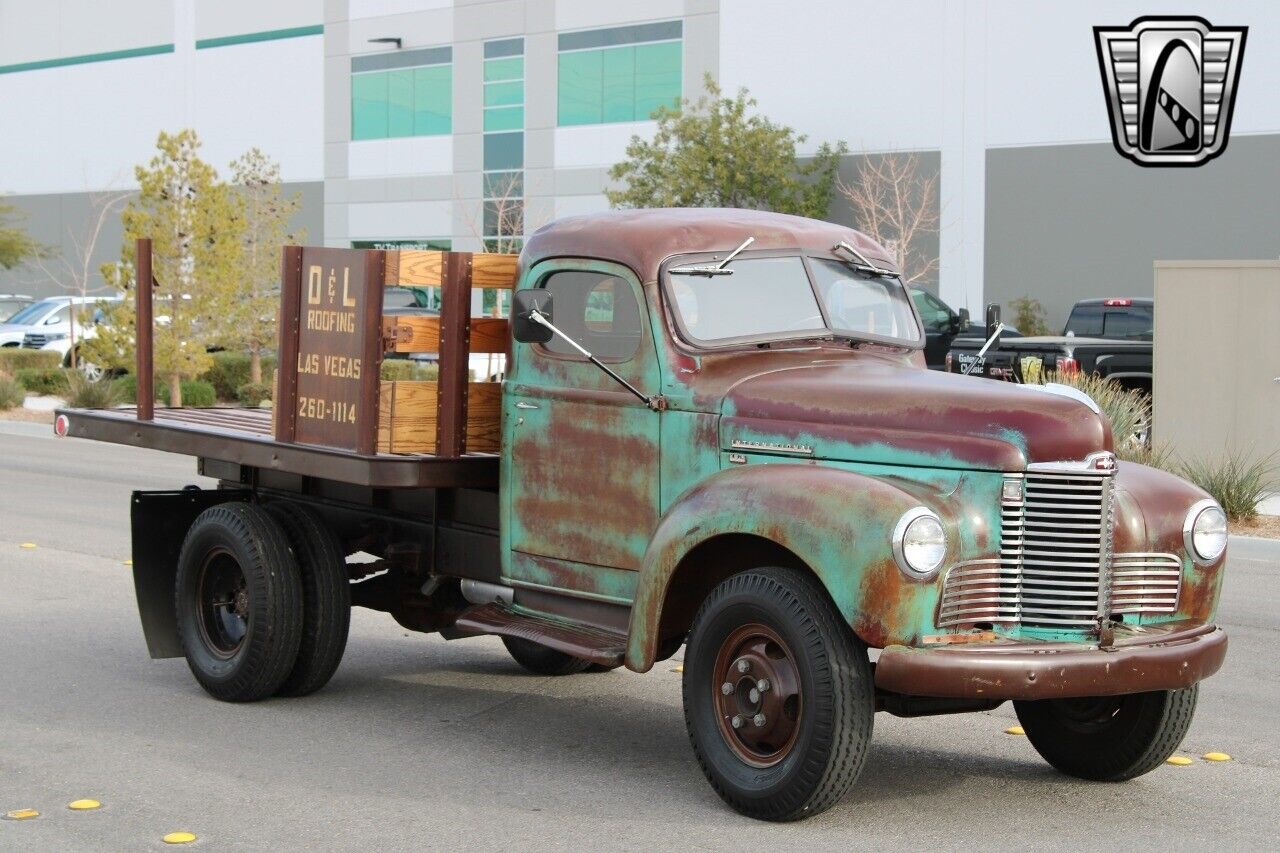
<point>1205,531</point>
<point>919,542</point>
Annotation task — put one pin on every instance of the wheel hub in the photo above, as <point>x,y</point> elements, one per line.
<point>756,688</point>
<point>223,604</point>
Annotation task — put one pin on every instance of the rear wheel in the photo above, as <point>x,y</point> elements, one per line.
<point>326,598</point>
<point>238,600</point>
<point>778,695</point>
<point>542,660</point>
<point>1109,738</point>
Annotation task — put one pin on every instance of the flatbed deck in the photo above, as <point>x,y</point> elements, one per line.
<point>243,436</point>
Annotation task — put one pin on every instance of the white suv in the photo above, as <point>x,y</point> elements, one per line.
<point>47,324</point>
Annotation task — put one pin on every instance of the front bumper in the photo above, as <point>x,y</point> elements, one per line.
<point>1166,657</point>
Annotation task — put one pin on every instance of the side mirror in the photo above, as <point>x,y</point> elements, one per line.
<point>524,329</point>
<point>962,319</point>
<point>993,319</point>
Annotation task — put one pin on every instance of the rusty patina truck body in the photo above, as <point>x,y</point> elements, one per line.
<point>765,472</point>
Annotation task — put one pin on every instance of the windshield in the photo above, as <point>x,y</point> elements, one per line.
<point>774,299</point>
<point>30,314</point>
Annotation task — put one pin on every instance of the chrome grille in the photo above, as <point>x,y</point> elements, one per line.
<point>1055,557</point>
<point>1145,583</point>
<point>1062,541</point>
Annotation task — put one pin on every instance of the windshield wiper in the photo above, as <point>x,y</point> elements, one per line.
<point>721,268</point>
<point>863,264</point>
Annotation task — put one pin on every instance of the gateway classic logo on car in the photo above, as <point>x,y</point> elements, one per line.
<point>1170,85</point>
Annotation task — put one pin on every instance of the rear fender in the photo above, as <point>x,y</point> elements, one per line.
<point>838,523</point>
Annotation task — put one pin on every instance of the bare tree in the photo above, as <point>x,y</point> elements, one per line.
<point>896,204</point>
<point>75,270</point>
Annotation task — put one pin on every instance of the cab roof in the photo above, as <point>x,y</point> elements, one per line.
<point>643,239</point>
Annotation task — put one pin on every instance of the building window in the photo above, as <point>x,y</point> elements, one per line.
<point>407,93</point>
<point>619,74</point>
<point>503,215</point>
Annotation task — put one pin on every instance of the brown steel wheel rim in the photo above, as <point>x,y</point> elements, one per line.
<point>756,693</point>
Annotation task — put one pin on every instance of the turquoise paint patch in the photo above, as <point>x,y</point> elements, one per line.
<point>265,35</point>
<point>84,59</point>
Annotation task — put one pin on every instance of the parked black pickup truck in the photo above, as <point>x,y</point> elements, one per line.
<point>1110,337</point>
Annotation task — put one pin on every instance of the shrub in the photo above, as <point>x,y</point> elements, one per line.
<point>42,380</point>
<point>126,387</point>
<point>230,372</point>
<point>84,393</point>
<point>1237,481</point>
<point>1029,316</point>
<point>402,369</point>
<point>252,394</point>
<point>11,393</point>
<point>13,359</point>
<point>195,394</point>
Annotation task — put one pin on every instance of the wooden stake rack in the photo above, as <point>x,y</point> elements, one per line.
<point>332,339</point>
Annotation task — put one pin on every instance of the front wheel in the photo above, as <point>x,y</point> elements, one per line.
<point>778,695</point>
<point>1109,738</point>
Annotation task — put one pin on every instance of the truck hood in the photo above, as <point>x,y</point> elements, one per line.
<point>875,410</point>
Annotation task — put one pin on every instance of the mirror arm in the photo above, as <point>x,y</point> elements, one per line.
<point>656,403</point>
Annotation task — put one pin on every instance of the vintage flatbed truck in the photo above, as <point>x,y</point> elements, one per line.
<point>715,430</point>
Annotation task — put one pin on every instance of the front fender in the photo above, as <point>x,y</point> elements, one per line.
<point>840,523</point>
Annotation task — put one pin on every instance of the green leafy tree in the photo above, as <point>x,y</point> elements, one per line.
<point>196,227</point>
<point>15,245</point>
<point>718,152</point>
<point>267,213</point>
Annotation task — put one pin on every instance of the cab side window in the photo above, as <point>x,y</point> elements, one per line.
<point>597,310</point>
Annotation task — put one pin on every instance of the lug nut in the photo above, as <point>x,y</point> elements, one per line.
<point>726,688</point>
<point>763,685</point>
<point>736,722</point>
<point>759,720</point>
<point>753,696</point>
<point>744,665</point>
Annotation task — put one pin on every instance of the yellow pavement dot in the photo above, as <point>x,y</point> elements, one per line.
<point>1216,756</point>
<point>22,814</point>
<point>84,805</point>
<point>179,838</point>
<point>1178,760</point>
<point>128,563</point>
<point>679,668</point>
<point>27,545</point>
<point>1015,730</point>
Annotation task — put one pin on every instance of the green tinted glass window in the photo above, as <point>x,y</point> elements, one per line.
<point>658,77</point>
<point>503,118</point>
<point>503,94</point>
<point>503,151</point>
<point>369,106</point>
<point>617,79</point>
<point>504,69</point>
<point>433,100</point>
<point>580,91</point>
<point>400,102</point>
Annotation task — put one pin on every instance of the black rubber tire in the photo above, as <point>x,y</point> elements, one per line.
<point>326,598</point>
<point>267,653</point>
<point>541,660</point>
<point>1138,732</point>
<point>838,706</point>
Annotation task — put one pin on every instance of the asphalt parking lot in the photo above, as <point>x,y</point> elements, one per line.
<point>422,744</point>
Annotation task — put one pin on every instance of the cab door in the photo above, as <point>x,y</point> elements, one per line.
<point>580,478</point>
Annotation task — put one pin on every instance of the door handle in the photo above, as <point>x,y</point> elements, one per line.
<point>523,405</point>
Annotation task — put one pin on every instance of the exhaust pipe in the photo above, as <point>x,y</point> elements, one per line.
<point>480,592</point>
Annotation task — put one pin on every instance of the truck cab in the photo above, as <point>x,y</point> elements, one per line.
<point>718,432</point>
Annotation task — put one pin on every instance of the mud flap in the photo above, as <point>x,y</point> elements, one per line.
<point>159,523</point>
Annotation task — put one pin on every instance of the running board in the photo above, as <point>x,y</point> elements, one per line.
<point>594,644</point>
